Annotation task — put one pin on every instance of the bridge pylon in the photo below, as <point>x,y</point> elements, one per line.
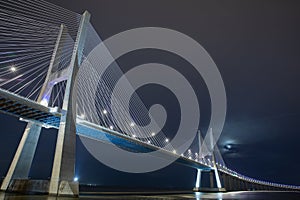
<point>214,173</point>
<point>63,170</point>
<point>18,172</point>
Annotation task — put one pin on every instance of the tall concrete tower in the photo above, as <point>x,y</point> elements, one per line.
<point>63,169</point>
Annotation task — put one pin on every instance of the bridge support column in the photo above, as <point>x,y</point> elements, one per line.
<point>214,177</point>
<point>211,179</point>
<point>229,183</point>
<point>217,178</point>
<point>225,181</point>
<point>21,164</point>
<point>246,185</point>
<point>238,184</point>
<point>63,169</point>
<point>214,171</point>
<point>17,176</point>
<point>255,186</point>
<point>242,185</point>
<point>234,184</point>
<point>198,180</point>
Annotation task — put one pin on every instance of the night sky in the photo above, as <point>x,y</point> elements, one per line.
<point>255,45</point>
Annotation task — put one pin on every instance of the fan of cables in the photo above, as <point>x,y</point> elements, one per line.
<point>28,35</point>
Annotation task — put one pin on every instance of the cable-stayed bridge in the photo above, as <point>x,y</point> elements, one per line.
<point>44,55</point>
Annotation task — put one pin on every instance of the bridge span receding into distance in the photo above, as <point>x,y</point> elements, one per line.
<point>30,111</point>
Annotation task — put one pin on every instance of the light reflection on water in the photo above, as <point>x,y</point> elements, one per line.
<point>201,195</point>
<point>198,196</point>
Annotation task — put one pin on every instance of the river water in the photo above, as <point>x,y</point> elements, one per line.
<point>255,195</point>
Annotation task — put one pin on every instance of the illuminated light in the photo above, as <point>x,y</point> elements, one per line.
<point>44,102</point>
<point>134,136</point>
<point>198,178</point>
<point>111,127</point>
<point>174,151</point>
<point>104,112</point>
<point>181,154</point>
<point>189,151</point>
<point>46,126</point>
<point>82,116</point>
<point>75,178</point>
<point>149,142</point>
<point>53,110</point>
<point>167,140</point>
<point>13,68</point>
<point>190,157</point>
<point>152,134</point>
<point>131,124</point>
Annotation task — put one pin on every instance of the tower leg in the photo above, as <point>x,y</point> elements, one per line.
<point>214,176</point>
<point>63,170</point>
<point>21,164</point>
<point>198,180</point>
<point>217,177</point>
<point>17,176</point>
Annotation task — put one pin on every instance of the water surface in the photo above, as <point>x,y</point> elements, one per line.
<point>255,195</point>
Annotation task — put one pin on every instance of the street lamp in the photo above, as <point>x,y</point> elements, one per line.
<point>13,68</point>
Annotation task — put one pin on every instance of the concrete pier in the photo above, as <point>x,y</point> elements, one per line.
<point>21,164</point>
<point>63,169</point>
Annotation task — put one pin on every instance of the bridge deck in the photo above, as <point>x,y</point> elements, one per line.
<point>103,134</point>
<point>27,109</point>
<point>21,107</point>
